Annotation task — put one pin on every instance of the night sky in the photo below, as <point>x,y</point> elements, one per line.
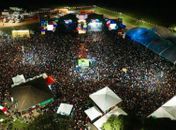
<point>162,11</point>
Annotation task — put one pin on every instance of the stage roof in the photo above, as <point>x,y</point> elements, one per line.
<point>64,109</point>
<point>31,93</point>
<point>69,16</point>
<point>95,16</point>
<point>154,42</point>
<point>105,98</point>
<point>93,113</point>
<point>168,110</point>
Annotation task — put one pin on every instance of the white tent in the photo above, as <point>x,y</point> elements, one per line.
<point>93,113</point>
<point>64,109</point>
<point>18,79</point>
<point>116,111</point>
<point>105,98</point>
<point>168,110</point>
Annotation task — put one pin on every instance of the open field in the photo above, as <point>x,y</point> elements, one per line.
<point>128,20</point>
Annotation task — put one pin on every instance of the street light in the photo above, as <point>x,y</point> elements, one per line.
<point>175,28</point>
<point>1,120</point>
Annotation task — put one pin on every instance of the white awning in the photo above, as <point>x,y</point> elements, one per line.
<point>93,113</point>
<point>105,98</point>
<point>18,79</point>
<point>65,109</point>
<point>168,110</point>
<point>116,111</point>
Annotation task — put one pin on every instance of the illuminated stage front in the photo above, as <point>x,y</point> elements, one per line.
<point>95,25</point>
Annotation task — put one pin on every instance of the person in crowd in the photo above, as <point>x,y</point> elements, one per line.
<point>141,78</point>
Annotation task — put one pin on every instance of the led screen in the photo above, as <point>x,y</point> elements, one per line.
<point>83,62</point>
<point>95,25</point>
<point>50,27</point>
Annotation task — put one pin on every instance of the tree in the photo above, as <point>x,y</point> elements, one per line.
<point>114,123</point>
<point>51,122</point>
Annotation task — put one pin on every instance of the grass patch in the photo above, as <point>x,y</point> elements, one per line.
<point>126,18</point>
<point>113,123</point>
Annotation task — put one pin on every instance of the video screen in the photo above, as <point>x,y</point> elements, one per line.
<point>112,25</point>
<point>48,26</point>
<point>95,25</point>
<point>82,26</point>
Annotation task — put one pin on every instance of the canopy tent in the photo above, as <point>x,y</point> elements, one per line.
<point>93,113</point>
<point>154,42</point>
<point>18,79</point>
<point>116,111</point>
<point>3,109</point>
<point>31,93</point>
<point>64,109</point>
<point>105,98</point>
<point>50,80</point>
<point>168,110</point>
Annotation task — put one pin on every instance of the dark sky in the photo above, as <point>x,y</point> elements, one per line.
<point>159,10</point>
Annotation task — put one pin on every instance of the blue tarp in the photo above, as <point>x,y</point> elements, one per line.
<point>154,42</point>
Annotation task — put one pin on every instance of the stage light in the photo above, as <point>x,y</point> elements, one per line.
<point>69,21</point>
<point>1,120</point>
<point>50,27</point>
<point>112,26</point>
<point>124,70</point>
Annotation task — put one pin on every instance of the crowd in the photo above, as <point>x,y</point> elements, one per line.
<point>147,83</point>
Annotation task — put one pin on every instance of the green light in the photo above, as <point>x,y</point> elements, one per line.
<point>46,102</point>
